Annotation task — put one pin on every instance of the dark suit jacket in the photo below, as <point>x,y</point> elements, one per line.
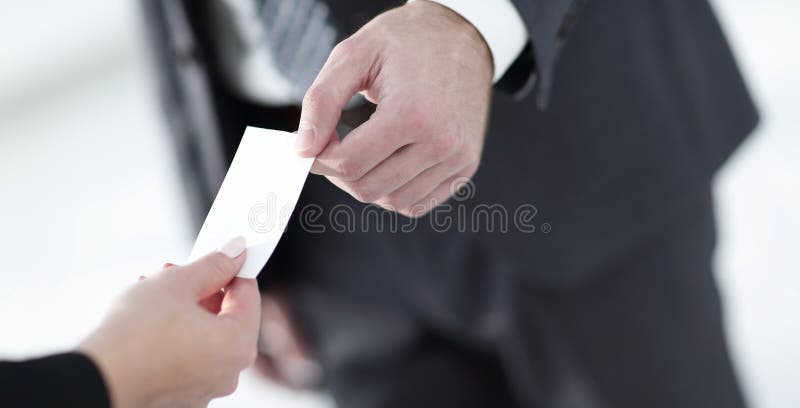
<point>644,103</point>
<point>618,115</point>
<point>64,380</point>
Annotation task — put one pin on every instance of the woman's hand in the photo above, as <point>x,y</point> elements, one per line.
<point>177,339</point>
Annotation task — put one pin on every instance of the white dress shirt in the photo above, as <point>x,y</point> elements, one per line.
<point>499,23</point>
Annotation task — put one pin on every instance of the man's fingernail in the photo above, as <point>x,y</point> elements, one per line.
<point>305,137</point>
<point>234,247</point>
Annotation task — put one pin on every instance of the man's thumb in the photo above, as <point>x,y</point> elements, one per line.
<point>344,74</point>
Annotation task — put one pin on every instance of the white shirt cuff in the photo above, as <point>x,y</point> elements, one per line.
<point>499,23</point>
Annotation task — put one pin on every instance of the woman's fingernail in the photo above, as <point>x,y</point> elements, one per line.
<point>234,247</point>
<point>305,137</point>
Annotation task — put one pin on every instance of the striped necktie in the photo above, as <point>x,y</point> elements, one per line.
<point>301,36</point>
<point>277,43</point>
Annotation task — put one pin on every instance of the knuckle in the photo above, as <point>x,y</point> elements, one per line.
<point>316,96</point>
<point>446,143</point>
<point>348,170</point>
<point>419,117</point>
<point>420,213</point>
<point>392,202</point>
<point>416,211</point>
<point>345,49</point>
<point>220,264</point>
<point>472,169</point>
<point>470,156</point>
<point>397,201</point>
<point>362,191</point>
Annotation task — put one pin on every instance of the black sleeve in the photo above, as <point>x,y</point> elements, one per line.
<point>548,22</point>
<point>63,380</point>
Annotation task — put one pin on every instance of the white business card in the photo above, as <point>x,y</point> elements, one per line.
<point>257,197</point>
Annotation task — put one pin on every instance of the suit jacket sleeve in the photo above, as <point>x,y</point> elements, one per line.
<point>64,380</point>
<point>548,22</point>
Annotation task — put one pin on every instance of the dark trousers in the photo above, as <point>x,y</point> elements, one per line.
<point>644,332</point>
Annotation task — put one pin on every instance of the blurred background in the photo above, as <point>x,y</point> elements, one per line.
<point>91,197</point>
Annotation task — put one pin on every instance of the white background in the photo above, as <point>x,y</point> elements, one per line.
<point>91,199</point>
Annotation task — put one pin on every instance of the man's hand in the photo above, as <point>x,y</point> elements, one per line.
<point>430,73</point>
<point>284,357</point>
<point>176,339</point>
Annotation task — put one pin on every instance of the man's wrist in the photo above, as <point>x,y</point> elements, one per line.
<point>466,37</point>
<point>500,25</point>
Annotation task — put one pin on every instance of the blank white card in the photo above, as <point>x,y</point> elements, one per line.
<point>256,199</point>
